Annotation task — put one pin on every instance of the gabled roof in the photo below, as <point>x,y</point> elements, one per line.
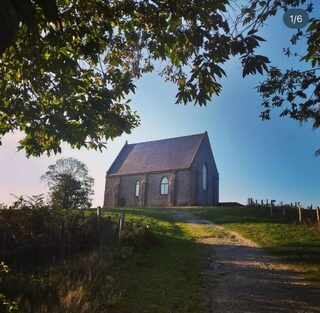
<point>155,156</point>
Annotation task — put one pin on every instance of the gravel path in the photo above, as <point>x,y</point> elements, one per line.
<point>240,277</point>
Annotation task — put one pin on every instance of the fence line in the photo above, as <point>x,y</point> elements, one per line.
<point>289,211</point>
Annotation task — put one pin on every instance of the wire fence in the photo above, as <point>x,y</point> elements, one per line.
<point>290,212</point>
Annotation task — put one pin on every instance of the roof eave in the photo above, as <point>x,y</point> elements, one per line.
<point>118,156</point>
<point>151,172</point>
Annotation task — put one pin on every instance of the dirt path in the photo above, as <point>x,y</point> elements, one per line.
<point>241,278</point>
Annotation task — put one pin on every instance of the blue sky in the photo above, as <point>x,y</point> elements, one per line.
<point>263,160</point>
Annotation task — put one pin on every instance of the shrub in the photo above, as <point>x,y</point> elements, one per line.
<point>5,304</point>
<point>30,238</point>
<point>137,236</point>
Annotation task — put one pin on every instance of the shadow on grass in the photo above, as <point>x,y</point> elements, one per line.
<point>164,278</point>
<point>295,244</point>
<point>244,279</point>
<point>305,254</point>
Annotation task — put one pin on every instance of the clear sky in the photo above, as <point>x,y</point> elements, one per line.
<point>263,160</point>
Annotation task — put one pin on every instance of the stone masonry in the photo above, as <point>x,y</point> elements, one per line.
<point>181,160</point>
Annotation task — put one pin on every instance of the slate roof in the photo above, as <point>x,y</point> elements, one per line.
<point>155,156</point>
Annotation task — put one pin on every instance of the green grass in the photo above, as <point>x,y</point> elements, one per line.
<point>163,278</point>
<point>297,244</point>
<point>167,277</point>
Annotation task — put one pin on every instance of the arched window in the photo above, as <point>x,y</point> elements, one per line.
<point>137,189</point>
<point>164,186</point>
<point>204,176</point>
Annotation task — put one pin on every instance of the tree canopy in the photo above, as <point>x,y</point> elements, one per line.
<point>69,183</point>
<point>67,66</point>
<point>296,91</point>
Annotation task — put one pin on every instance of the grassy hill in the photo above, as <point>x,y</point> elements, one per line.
<point>158,275</point>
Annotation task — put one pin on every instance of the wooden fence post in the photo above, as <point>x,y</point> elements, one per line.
<point>271,206</point>
<point>318,214</point>
<point>300,213</point>
<point>284,210</point>
<point>121,224</point>
<point>261,207</point>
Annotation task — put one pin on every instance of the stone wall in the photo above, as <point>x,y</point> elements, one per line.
<point>153,196</point>
<point>127,196</point>
<point>210,196</point>
<point>184,194</point>
<point>111,191</point>
<point>120,190</point>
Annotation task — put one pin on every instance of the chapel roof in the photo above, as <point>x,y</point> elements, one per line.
<point>157,156</point>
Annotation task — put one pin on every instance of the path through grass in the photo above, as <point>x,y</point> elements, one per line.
<point>166,277</point>
<point>298,245</point>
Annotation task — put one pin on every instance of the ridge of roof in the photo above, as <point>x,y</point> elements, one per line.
<point>165,139</point>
